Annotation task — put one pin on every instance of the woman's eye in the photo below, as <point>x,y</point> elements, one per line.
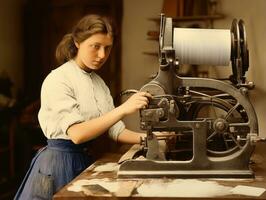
<point>95,46</point>
<point>108,48</point>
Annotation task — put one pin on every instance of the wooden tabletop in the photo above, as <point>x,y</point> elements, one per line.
<point>91,183</point>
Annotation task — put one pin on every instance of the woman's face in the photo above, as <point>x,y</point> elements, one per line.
<point>94,51</point>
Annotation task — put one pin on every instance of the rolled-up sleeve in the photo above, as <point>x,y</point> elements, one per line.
<point>59,108</point>
<point>116,129</point>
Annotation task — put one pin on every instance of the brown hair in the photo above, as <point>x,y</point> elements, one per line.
<point>85,28</point>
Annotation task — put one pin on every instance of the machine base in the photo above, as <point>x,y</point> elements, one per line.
<point>188,174</point>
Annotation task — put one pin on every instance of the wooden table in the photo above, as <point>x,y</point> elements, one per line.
<point>258,166</point>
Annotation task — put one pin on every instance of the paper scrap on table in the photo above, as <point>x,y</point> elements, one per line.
<point>107,167</point>
<point>248,190</point>
<point>182,188</point>
<point>103,187</point>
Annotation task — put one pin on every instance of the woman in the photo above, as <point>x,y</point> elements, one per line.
<point>76,107</point>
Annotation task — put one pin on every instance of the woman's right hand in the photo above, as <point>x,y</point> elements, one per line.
<point>136,102</point>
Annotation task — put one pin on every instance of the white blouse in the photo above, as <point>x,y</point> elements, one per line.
<point>71,95</point>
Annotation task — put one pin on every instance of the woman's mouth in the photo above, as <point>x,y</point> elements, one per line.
<point>97,62</point>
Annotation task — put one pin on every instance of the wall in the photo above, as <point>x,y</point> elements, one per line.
<point>137,67</point>
<point>11,48</point>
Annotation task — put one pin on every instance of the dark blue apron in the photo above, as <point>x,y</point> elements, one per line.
<point>53,167</point>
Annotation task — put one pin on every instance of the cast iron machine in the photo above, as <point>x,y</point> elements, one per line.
<point>209,126</point>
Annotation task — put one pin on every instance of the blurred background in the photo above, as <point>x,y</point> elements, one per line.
<point>30,31</point>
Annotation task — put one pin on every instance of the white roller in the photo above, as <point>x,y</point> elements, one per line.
<point>202,46</point>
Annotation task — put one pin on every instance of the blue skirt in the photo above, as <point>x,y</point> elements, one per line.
<point>53,167</point>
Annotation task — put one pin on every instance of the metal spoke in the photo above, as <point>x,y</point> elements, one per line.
<point>225,142</point>
<point>235,141</point>
<point>231,111</point>
<point>216,116</point>
<point>210,136</point>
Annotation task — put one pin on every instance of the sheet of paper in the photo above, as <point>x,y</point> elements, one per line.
<point>248,190</point>
<point>182,188</point>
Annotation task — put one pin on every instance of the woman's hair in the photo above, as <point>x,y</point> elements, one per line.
<point>85,28</point>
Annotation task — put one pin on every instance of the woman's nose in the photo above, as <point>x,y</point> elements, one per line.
<point>101,53</point>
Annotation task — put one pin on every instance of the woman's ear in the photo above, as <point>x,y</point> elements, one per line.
<point>76,44</point>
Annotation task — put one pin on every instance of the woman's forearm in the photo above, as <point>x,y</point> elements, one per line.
<point>130,137</point>
<point>90,129</point>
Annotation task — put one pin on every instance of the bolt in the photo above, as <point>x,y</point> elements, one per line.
<point>197,125</point>
<point>220,126</point>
